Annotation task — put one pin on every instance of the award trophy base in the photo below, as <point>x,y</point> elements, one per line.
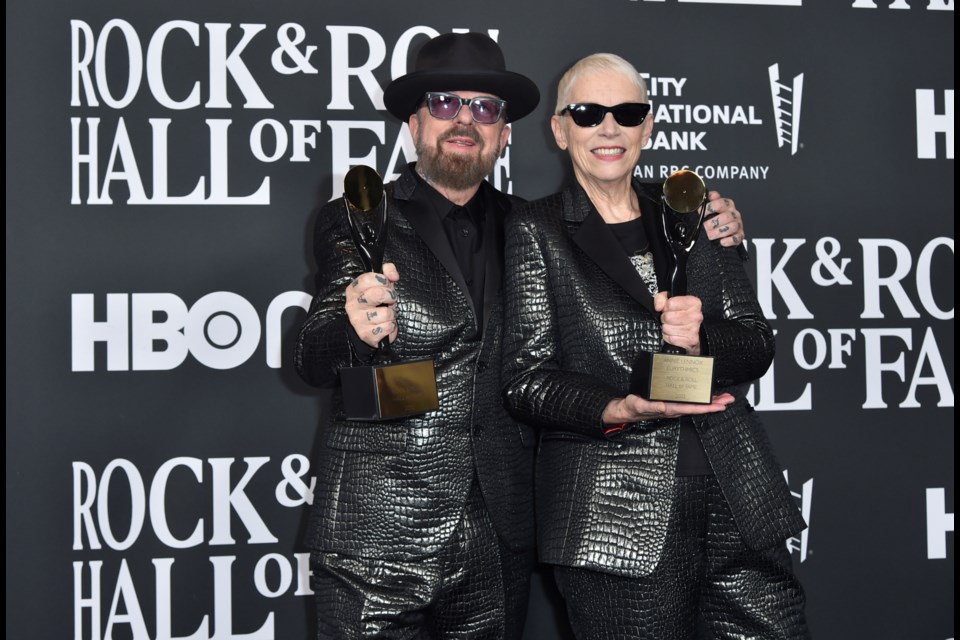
<point>673,377</point>
<point>391,390</point>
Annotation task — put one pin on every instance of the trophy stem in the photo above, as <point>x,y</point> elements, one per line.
<point>678,282</point>
<point>385,353</point>
<point>673,349</point>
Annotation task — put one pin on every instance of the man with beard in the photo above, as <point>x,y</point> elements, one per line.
<point>423,526</point>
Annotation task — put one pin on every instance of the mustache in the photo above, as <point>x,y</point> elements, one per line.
<point>460,131</point>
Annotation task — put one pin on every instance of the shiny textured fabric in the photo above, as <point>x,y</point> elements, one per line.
<point>397,490</point>
<point>704,569</point>
<point>475,588</point>
<point>577,314</point>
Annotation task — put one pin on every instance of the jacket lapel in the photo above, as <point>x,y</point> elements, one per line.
<point>493,242</point>
<point>596,240</point>
<point>652,214</point>
<point>428,228</point>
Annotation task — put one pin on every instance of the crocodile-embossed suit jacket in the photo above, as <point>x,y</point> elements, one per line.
<point>397,489</point>
<point>576,315</point>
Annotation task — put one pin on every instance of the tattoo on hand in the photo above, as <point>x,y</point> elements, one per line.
<point>377,331</point>
<point>371,315</point>
<point>381,279</point>
<point>716,223</point>
<point>361,300</point>
<point>354,282</point>
<point>393,295</point>
<point>725,229</point>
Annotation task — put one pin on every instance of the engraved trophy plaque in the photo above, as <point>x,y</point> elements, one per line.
<point>671,374</point>
<point>389,387</point>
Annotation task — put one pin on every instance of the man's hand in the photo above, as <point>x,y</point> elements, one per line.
<point>725,222</point>
<point>371,305</point>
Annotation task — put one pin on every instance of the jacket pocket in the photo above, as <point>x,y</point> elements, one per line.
<point>528,436</point>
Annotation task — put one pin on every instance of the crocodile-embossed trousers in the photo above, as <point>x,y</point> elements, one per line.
<point>705,572</point>
<point>474,588</point>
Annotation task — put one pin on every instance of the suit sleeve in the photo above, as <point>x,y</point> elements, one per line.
<point>323,345</point>
<point>742,341</point>
<point>537,391</point>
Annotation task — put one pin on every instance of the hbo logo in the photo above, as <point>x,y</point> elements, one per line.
<point>156,331</point>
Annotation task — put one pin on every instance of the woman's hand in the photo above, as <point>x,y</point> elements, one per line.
<point>634,408</point>
<point>680,317</point>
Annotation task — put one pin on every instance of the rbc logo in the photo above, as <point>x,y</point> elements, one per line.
<point>156,331</point>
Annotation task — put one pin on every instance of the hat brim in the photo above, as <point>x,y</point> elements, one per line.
<point>402,96</point>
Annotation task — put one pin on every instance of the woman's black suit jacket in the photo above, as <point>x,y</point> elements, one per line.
<point>577,314</point>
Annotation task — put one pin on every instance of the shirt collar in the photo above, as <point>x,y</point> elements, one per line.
<point>475,206</point>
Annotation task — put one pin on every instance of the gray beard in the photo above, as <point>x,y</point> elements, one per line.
<point>452,171</point>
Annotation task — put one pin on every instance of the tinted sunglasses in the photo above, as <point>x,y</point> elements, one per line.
<point>588,114</point>
<point>446,106</point>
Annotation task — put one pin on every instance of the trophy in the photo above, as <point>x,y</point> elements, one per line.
<point>671,374</point>
<point>389,387</point>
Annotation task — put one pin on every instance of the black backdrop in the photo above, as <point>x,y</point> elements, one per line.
<point>164,165</point>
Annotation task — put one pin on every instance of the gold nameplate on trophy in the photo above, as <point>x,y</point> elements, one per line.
<point>673,377</point>
<point>392,390</point>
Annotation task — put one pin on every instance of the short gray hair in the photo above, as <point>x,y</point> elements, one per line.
<point>597,62</point>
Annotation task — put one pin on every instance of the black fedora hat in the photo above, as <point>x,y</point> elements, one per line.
<point>461,62</point>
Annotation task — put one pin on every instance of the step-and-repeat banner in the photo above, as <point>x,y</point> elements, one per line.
<point>165,162</point>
